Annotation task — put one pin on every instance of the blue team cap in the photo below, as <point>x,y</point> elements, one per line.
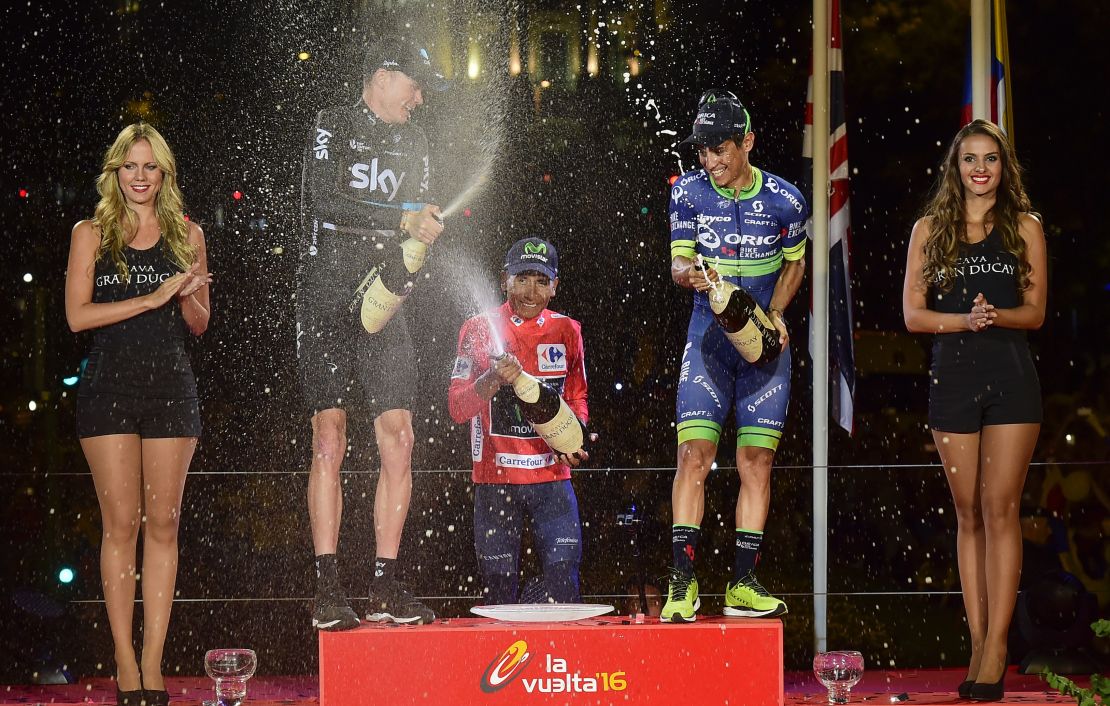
<point>720,116</point>
<point>532,254</point>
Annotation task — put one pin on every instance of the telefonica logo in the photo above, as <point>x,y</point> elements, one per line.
<point>540,248</point>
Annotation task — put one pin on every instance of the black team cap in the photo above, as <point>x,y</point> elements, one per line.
<point>720,116</point>
<point>397,54</point>
<point>532,254</point>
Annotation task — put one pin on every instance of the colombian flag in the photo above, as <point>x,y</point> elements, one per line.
<point>1000,74</point>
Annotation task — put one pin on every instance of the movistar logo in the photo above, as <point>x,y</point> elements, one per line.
<point>535,248</point>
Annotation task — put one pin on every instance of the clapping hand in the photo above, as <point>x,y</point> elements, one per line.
<point>194,282</point>
<point>982,314</point>
<point>170,286</point>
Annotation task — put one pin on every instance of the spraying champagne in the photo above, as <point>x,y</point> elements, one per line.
<point>550,415</point>
<point>745,323</point>
<point>391,282</point>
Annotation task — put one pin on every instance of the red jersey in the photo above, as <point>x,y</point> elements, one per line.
<point>503,445</point>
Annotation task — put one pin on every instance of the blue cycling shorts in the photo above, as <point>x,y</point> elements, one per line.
<point>714,379</point>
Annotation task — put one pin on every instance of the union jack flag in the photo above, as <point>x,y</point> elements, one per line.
<point>842,366</point>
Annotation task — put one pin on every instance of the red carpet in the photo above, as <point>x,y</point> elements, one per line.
<point>924,686</point>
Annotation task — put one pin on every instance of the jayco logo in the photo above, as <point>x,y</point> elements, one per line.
<point>535,248</point>
<point>367,176</point>
<point>320,149</point>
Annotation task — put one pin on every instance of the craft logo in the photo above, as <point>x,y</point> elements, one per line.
<point>506,667</point>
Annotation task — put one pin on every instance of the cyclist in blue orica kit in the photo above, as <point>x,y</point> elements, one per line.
<point>748,226</point>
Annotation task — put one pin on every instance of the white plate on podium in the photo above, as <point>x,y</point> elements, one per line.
<point>542,612</point>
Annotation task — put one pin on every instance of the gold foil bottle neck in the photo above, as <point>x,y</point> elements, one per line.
<point>414,253</point>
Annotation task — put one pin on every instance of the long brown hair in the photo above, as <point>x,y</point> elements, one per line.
<point>117,222</point>
<point>946,209</point>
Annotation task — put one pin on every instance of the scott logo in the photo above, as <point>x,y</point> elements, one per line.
<point>535,248</point>
<point>367,176</point>
<point>506,667</point>
<point>320,149</point>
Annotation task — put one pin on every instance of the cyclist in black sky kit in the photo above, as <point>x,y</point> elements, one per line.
<point>365,188</point>
<point>977,278</point>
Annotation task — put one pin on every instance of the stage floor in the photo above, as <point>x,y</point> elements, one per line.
<point>924,686</point>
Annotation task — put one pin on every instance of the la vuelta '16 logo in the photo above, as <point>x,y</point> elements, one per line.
<point>506,667</point>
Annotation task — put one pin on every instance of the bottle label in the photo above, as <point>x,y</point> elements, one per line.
<point>378,306</point>
<point>564,432</point>
<point>748,341</point>
<point>527,388</point>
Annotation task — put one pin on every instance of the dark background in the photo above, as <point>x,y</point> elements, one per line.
<point>585,163</point>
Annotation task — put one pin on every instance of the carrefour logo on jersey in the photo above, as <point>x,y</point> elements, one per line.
<point>552,357</point>
<point>557,678</point>
<point>367,176</point>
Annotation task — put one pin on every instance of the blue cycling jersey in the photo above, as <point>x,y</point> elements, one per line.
<point>744,235</point>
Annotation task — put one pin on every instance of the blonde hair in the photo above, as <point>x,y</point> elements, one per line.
<point>946,209</point>
<point>117,221</point>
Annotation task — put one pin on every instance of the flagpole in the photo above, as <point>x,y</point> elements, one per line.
<point>981,59</point>
<point>819,330</point>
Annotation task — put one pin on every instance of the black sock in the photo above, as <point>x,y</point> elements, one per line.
<point>684,545</point>
<point>384,568</point>
<point>327,574</point>
<point>747,553</point>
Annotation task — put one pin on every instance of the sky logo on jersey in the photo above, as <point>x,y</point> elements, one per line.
<point>552,357</point>
<point>506,667</point>
<point>320,149</point>
<point>367,176</point>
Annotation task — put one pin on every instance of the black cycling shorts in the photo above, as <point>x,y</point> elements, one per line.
<point>341,366</point>
<point>151,418</point>
<point>965,398</point>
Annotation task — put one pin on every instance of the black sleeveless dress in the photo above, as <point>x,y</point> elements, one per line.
<point>979,378</point>
<point>138,378</point>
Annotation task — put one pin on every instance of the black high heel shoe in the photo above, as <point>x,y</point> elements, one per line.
<point>156,697</point>
<point>964,689</point>
<point>988,692</point>
<point>128,698</point>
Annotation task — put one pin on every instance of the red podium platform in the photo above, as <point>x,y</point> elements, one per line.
<point>458,662</point>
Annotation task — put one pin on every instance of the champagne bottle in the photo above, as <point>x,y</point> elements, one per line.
<point>391,282</point>
<point>549,414</point>
<point>746,325</point>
